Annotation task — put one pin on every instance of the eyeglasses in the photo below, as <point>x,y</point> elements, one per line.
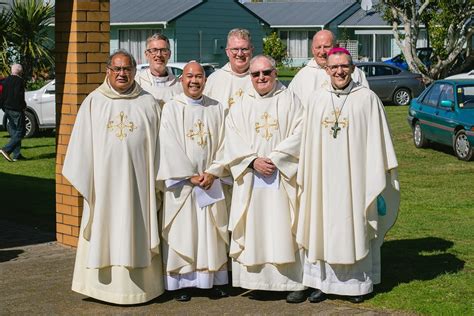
<point>235,51</point>
<point>334,68</point>
<point>117,70</point>
<point>266,72</point>
<point>154,51</point>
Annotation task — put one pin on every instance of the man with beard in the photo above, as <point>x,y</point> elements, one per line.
<point>112,160</point>
<point>263,135</point>
<point>349,191</point>
<point>231,81</point>
<point>158,79</point>
<point>194,221</point>
<point>313,76</point>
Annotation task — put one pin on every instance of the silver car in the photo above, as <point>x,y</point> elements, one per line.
<point>392,84</point>
<point>40,109</point>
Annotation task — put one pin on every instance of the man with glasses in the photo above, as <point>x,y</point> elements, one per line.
<point>158,79</point>
<point>348,186</point>
<point>313,76</point>
<point>229,82</point>
<point>112,161</point>
<point>262,145</point>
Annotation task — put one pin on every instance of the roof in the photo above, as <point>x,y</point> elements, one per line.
<point>149,11</point>
<point>362,18</point>
<point>299,14</point>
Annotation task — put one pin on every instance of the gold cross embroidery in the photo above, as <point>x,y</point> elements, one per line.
<point>231,99</point>
<point>121,126</point>
<point>335,123</point>
<point>266,126</point>
<point>202,141</point>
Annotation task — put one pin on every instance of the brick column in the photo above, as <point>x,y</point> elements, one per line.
<point>82,47</point>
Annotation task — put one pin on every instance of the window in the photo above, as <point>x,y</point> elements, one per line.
<point>383,71</point>
<point>134,41</point>
<point>431,98</point>
<point>466,97</point>
<point>298,43</point>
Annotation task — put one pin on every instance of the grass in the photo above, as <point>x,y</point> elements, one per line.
<point>427,259</point>
<point>27,187</point>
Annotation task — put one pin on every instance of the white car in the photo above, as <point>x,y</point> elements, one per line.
<point>40,109</point>
<point>177,68</point>
<point>467,75</point>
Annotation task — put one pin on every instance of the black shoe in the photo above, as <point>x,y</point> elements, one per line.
<point>356,299</point>
<point>317,296</point>
<point>5,155</point>
<point>218,293</point>
<point>20,157</point>
<point>183,297</point>
<point>296,297</point>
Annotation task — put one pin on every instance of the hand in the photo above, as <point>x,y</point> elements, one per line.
<point>207,181</point>
<point>264,166</point>
<point>196,180</point>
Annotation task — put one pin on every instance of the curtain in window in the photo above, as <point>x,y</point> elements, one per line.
<point>298,44</point>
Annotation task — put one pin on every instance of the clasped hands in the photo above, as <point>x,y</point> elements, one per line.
<point>264,166</point>
<point>204,180</point>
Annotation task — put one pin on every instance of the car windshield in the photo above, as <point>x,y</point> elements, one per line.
<point>466,96</point>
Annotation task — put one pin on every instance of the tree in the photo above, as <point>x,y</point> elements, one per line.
<point>448,24</point>
<point>274,47</point>
<point>29,34</point>
<point>5,19</point>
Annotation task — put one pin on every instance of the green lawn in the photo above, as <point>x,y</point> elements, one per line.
<point>27,187</point>
<point>427,259</point>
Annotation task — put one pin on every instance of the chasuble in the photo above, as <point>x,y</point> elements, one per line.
<point>112,160</point>
<point>194,235</point>
<point>162,88</point>
<point>226,86</point>
<point>263,212</point>
<point>347,162</point>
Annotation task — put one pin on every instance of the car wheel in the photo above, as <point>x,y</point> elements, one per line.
<point>462,147</point>
<point>30,124</point>
<point>418,136</point>
<point>402,96</point>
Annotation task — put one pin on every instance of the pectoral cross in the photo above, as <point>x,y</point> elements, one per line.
<point>121,126</point>
<point>202,141</point>
<point>335,128</point>
<point>335,123</point>
<point>266,126</point>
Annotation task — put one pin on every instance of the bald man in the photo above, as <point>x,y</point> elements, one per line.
<point>194,223</point>
<point>313,76</point>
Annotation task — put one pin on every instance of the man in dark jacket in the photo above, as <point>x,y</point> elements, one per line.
<point>13,104</point>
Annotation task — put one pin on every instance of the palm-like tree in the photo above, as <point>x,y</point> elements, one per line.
<point>5,18</point>
<point>29,34</point>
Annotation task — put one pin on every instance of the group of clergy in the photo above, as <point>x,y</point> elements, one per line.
<point>185,179</point>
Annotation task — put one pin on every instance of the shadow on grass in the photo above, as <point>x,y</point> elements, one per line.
<point>27,213</point>
<point>421,259</point>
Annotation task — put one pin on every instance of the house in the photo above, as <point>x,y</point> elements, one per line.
<point>296,22</point>
<point>197,29</point>
<point>373,35</point>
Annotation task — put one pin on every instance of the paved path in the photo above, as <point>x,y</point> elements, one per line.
<point>35,279</point>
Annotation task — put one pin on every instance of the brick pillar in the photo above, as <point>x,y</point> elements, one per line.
<point>82,47</point>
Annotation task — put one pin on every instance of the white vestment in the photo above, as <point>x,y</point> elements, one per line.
<point>312,77</point>
<point>343,169</point>
<point>112,160</point>
<point>263,218</point>
<point>226,86</point>
<point>162,88</point>
<point>195,238</point>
